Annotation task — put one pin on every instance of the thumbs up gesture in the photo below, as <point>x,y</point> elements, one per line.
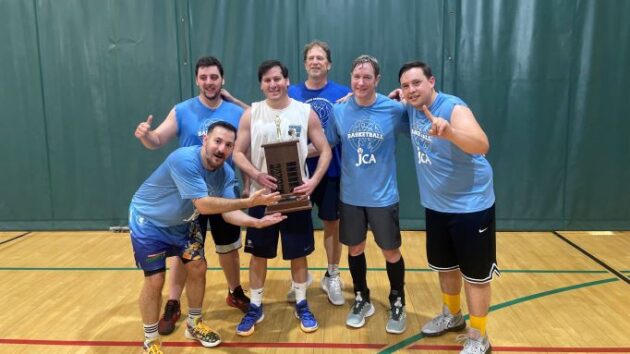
<point>144,128</point>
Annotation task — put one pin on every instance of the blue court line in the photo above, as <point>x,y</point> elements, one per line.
<point>408,341</point>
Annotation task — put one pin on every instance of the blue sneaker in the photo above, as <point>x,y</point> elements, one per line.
<point>308,323</point>
<point>253,315</point>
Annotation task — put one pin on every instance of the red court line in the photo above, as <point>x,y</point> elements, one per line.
<point>95,343</point>
<point>98,343</point>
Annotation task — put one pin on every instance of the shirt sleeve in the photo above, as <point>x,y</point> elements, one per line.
<point>186,175</point>
<point>230,185</point>
<point>403,123</point>
<point>331,128</point>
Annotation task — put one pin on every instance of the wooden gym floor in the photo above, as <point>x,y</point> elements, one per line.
<point>76,292</point>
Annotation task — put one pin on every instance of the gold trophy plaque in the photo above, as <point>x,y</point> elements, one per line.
<point>283,163</point>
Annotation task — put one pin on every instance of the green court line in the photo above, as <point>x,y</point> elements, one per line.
<point>409,341</point>
<point>412,270</point>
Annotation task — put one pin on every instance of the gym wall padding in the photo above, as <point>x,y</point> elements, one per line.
<point>547,80</point>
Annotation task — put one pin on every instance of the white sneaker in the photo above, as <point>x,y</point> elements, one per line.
<point>291,293</point>
<point>333,286</point>
<point>474,343</point>
<point>444,322</point>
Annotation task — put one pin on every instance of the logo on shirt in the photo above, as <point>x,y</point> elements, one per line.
<point>295,131</point>
<point>366,136</point>
<point>421,140</point>
<point>203,127</point>
<point>322,107</point>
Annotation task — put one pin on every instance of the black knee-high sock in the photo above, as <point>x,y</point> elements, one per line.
<point>358,270</point>
<point>396,275</point>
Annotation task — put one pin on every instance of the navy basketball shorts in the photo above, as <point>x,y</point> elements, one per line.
<point>226,237</point>
<point>464,241</point>
<point>295,232</point>
<point>326,197</point>
<point>383,221</point>
<point>152,244</point>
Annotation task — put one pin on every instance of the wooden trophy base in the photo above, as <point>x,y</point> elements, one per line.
<point>289,205</point>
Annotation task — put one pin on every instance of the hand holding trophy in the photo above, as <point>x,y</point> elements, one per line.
<point>283,163</point>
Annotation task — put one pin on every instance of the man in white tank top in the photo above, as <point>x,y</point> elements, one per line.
<point>258,127</point>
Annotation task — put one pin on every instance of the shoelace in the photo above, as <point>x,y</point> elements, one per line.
<point>335,283</point>
<point>469,342</point>
<point>442,319</point>
<point>358,306</point>
<point>250,317</point>
<point>154,348</point>
<point>306,314</point>
<point>204,330</point>
<point>396,313</point>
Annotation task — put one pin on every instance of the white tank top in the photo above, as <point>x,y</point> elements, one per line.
<point>293,125</point>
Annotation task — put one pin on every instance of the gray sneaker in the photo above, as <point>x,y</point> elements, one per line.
<point>397,322</point>
<point>291,292</point>
<point>444,322</point>
<point>359,311</point>
<point>333,286</point>
<point>474,343</point>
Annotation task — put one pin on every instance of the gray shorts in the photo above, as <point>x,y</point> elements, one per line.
<point>383,222</point>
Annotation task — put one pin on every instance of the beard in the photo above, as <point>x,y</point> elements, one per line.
<point>213,97</point>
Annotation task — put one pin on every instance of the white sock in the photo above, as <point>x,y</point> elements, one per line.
<point>300,291</point>
<point>255,297</point>
<point>151,332</point>
<point>193,314</point>
<point>333,269</point>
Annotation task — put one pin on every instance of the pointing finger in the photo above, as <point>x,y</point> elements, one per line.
<point>427,113</point>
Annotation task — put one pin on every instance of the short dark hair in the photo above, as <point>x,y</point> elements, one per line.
<point>205,62</point>
<point>363,59</point>
<point>426,69</point>
<point>268,65</point>
<point>221,124</point>
<point>321,44</point>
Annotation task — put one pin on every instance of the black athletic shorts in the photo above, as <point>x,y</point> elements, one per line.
<point>227,237</point>
<point>464,241</point>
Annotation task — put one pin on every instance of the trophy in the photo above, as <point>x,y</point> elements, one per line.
<point>283,163</point>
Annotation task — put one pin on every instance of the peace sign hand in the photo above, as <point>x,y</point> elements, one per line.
<point>440,127</point>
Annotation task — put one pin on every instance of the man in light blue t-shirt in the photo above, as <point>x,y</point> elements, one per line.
<point>456,188</point>
<point>321,93</point>
<point>163,223</point>
<point>367,125</point>
<point>189,121</point>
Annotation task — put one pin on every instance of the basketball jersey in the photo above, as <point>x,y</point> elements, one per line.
<point>450,180</point>
<point>293,125</point>
<point>194,118</point>
<point>165,198</point>
<point>321,101</point>
<point>368,162</point>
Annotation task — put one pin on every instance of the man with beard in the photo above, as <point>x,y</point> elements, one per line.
<point>321,93</point>
<point>163,223</point>
<point>189,121</point>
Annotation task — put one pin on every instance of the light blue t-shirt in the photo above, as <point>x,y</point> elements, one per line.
<point>165,198</point>
<point>368,162</point>
<point>321,102</point>
<point>194,118</point>
<point>450,180</point>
